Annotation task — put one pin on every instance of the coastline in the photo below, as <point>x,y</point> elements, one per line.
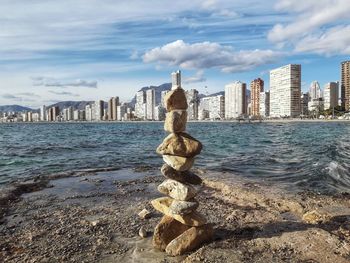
<point>92,216</point>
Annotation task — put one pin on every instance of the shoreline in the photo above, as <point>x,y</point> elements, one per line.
<point>92,216</point>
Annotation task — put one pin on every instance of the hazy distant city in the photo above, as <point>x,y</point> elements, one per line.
<point>283,99</point>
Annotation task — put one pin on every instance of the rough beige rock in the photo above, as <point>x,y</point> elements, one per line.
<point>190,240</point>
<point>177,190</point>
<point>180,144</point>
<point>182,177</point>
<point>162,204</point>
<point>183,207</point>
<point>142,232</point>
<point>166,230</point>
<point>175,121</point>
<point>175,100</point>
<point>178,163</point>
<point>315,217</point>
<point>144,214</point>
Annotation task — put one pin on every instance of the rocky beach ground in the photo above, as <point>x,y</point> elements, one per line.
<point>93,216</point>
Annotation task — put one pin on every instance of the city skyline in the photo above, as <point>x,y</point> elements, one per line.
<point>57,51</point>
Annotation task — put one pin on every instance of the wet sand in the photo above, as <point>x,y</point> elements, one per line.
<point>93,217</point>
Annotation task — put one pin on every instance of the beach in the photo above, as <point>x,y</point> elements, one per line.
<point>92,216</point>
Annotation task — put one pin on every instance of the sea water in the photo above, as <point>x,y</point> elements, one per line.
<point>300,155</point>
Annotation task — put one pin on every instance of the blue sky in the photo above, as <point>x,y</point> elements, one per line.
<point>94,49</point>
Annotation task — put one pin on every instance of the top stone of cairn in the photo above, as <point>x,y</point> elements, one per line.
<point>175,100</point>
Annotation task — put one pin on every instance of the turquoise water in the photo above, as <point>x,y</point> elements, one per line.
<point>314,156</point>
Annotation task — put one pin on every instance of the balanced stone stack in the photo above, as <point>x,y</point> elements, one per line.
<point>182,228</point>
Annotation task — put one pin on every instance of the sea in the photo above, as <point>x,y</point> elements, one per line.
<point>301,156</point>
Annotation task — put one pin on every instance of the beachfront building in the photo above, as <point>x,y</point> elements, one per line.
<point>115,104</point>
<point>331,95</point>
<point>150,103</point>
<point>264,104</point>
<point>176,79</point>
<point>285,91</point>
<point>43,116</point>
<point>99,110</point>
<point>193,104</point>
<point>162,96</point>
<point>235,100</point>
<point>345,85</point>
<point>315,91</point>
<point>88,112</point>
<point>216,107</point>
<point>304,104</point>
<point>203,109</point>
<point>140,106</point>
<point>159,113</point>
<point>112,109</point>
<point>256,87</point>
<point>315,98</point>
<point>121,111</point>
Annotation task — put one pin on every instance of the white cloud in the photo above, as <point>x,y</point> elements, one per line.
<point>310,15</point>
<point>198,77</point>
<point>334,41</point>
<point>51,82</point>
<point>63,93</point>
<point>207,55</point>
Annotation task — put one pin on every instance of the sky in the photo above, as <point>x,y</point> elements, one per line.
<point>94,49</point>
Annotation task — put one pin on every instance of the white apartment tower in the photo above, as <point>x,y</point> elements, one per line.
<point>150,104</point>
<point>315,91</point>
<point>331,95</point>
<point>140,106</point>
<point>235,100</point>
<point>176,79</point>
<point>193,103</point>
<point>43,113</point>
<point>217,107</point>
<point>285,91</point>
<point>99,110</point>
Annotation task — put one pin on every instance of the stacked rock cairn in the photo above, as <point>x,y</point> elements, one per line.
<point>182,228</point>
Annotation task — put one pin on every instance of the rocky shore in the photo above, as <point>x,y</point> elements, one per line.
<point>94,217</point>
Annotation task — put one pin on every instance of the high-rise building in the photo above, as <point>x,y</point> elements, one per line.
<point>315,98</point>
<point>217,107</point>
<point>140,106</point>
<point>193,103</point>
<point>345,84</point>
<point>150,104</point>
<point>110,109</point>
<point>264,104</point>
<point>235,100</point>
<point>163,93</point>
<point>331,95</point>
<point>88,112</point>
<point>55,113</point>
<point>159,113</point>
<point>176,79</point>
<point>256,87</point>
<point>204,108</point>
<point>43,113</point>
<point>285,91</point>
<point>115,104</point>
<point>70,113</point>
<point>315,90</point>
<point>121,111</point>
<point>99,110</point>
<point>304,104</point>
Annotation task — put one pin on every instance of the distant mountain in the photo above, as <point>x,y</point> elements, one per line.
<point>77,105</point>
<point>14,108</point>
<point>158,91</point>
